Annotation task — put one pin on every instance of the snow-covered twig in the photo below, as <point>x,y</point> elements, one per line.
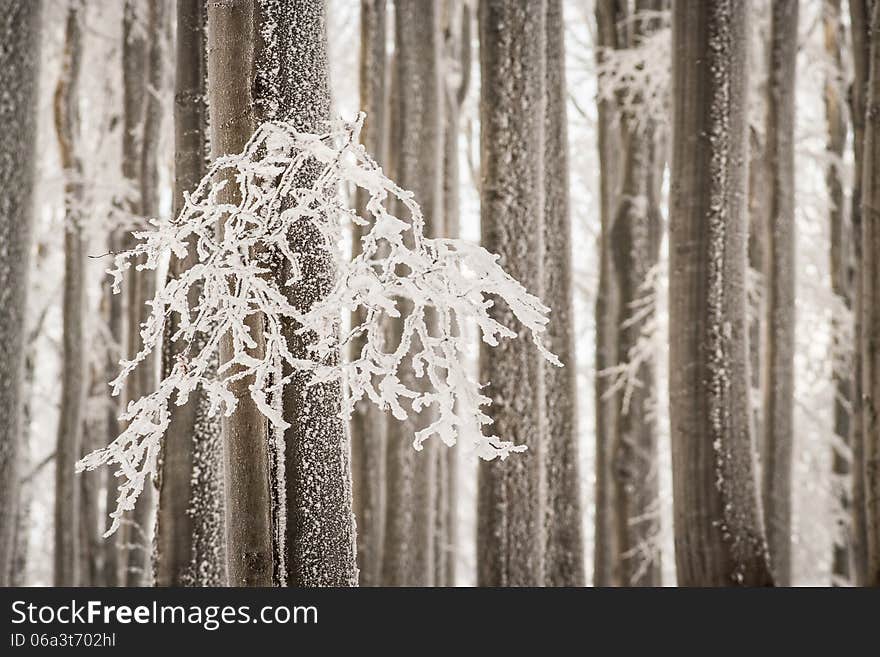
<point>447,282</point>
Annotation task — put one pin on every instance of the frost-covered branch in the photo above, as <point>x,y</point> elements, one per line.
<point>448,283</point>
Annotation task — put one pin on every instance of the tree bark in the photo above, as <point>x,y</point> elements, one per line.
<point>367,421</point>
<point>779,272</point>
<point>73,371</point>
<point>189,527</point>
<point>510,501</point>
<point>564,551</point>
<point>606,562</point>
<point>19,78</point>
<point>417,134</point>
<point>248,518</point>
<point>861,43</point>
<point>315,523</point>
<point>719,537</point>
<point>870,310</point>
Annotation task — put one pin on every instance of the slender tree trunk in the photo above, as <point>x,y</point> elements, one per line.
<point>870,311</point>
<point>564,551</point>
<point>861,42</point>
<point>458,49</point>
<point>91,485</point>
<point>367,421</point>
<point>248,518</point>
<point>19,78</point>
<point>606,564</point>
<point>635,242</point>
<point>719,537</point>
<point>73,371</point>
<point>315,522</point>
<point>835,120</point>
<point>418,134</point>
<point>189,527</point>
<point>778,393</point>
<point>510,503</point>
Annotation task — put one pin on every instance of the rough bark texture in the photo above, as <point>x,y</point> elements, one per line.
<point>779,286</point>
<point>189,526</point>
<point>635,242</point>
<point>860,43</point>
<point>606,562</point>
<point>719,537</point>
<point>19,74</point>
<point>367,421</point>
<point>564,551</point>
<point>836,126</point>
<point>510,503</point>
<point>870,310</point>
<point>418,125</point>
<point>248,518</point>
<point>314,522</point>
<point>73,370</point>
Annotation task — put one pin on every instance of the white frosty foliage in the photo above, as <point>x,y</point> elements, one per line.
<point>449,283</point>
<point>638,80</point>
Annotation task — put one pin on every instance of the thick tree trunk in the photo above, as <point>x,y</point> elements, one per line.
<point>606,562</point>
<point>314,522</point>
<point>19,78</point>
<point>861,42</point>
<point>73,370</point>
<point>564,552</point>
<point>719,536</point>
<point>248,518</point>
<point>189,527</point>
<point>417,135</point>
<point>870,310</point>
<point>779,272</point>
<point>510,505</point>
<point>835,120</point>
<point>367,421</point>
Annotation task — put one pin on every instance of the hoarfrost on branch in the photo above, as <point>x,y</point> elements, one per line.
<point>449,282</point>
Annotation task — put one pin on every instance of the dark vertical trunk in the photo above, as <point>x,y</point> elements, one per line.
<point>870,308</point>
<point>779,272</point>
<point>91,485</point>
<point>314,522</point>
<point>411,475</point>
<point>73,372</point>
<point>719,537</point>
<point>189,527</point>
<point>367,421</point>
<point>510,504</point>
<point>248,518</point>
<point>606,564</point>
<point>564,551</point>
<point>861,42</point>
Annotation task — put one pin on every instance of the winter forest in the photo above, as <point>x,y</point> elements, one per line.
<point>439,293</point>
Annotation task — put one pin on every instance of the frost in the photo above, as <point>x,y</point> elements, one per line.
<point>449,283</point>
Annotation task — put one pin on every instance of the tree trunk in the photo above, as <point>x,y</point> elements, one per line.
<point>19,78</point>
<point>91,483</point>
<point>870,311</point>
<point>835,120</point>
<point>246,461</point>
<point>719,537</point>
<point>314,522</point>
<point>367,421</point>
<point>417,134</point>
<point>189,526</point>
<point>606,562</point>
<point>861,42</point>
<point>635,243</point>
<point>564,551</point>
<point>779,286</point>
<point>73,371</point>
<point>510,504</point>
